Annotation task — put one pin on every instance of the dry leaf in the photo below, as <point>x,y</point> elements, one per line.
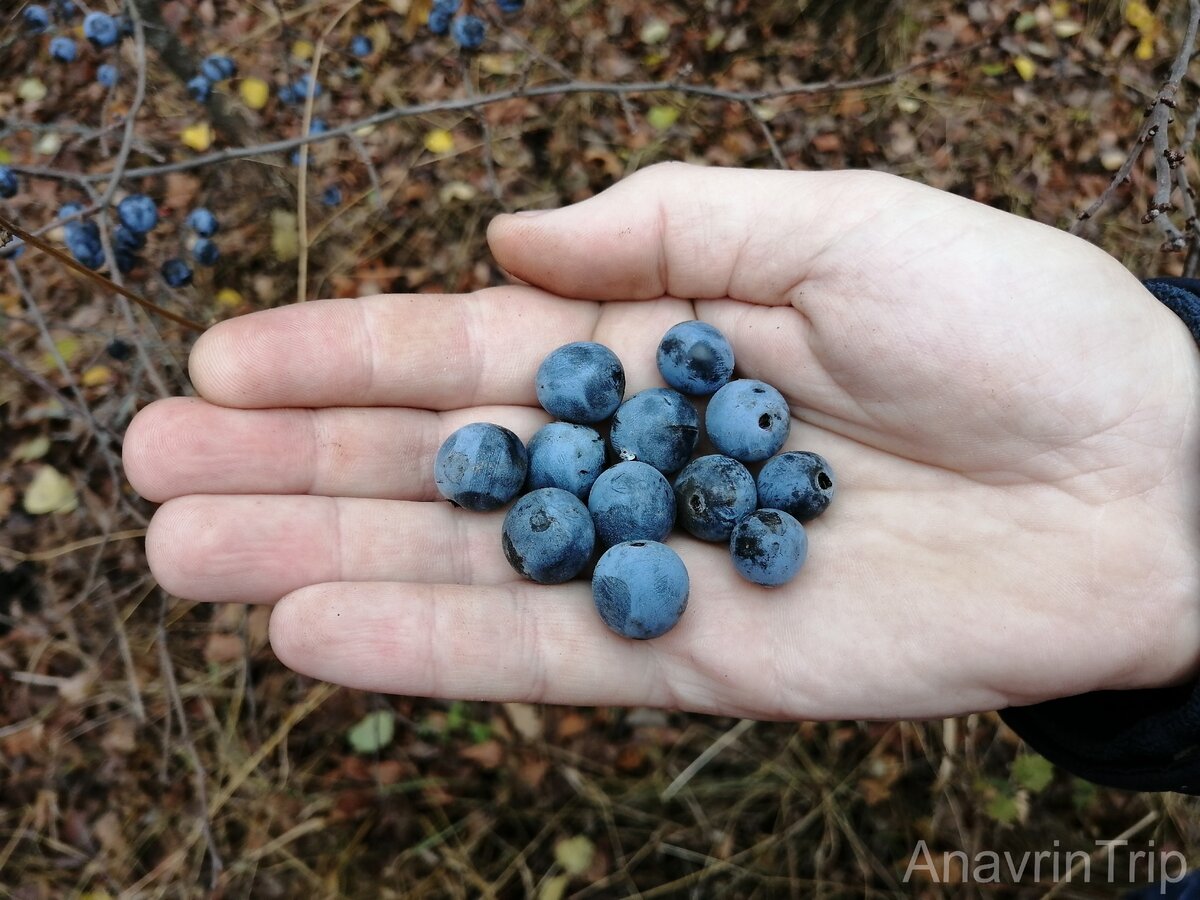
<point>489,754</point>
<point>50,492</point>
<point>525,719</point>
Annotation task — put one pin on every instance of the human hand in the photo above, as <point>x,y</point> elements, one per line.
<point>1013,420</point>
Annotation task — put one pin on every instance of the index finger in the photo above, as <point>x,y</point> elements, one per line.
<point>430,351</point>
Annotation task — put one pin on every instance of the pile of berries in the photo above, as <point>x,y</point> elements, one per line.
<point>573,501</point>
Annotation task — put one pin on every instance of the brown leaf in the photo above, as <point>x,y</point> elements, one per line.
<point>533,771</point>
<point>489,754</point>
<point>631,758</point>
<point>571,725</point>
<point>223,648</point>
<point>120,738</point>
<point>526,719</point>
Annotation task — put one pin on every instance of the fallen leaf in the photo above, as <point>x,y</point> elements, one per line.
<point>373,732</point>
<point>1025,67</point>
<point>439,141</point>
<point>554,888</point>
<point>574,854</point>
<point>223,648</point>
<point>255,92</point>
<point>489,754</point>
<point>655,32</point>
<point>285,239</point>
<point>96,376</point>
<point>48,144</point>
<point>571,725</point>
<point>525,719</point>
<point>228,298</point>
<point>50,492</point>
<point>662,117</point>
<point>34,448</point>
<point>198,137</point>
<point>77,688</point>
<point>31,90</point>
<point>303,50</point>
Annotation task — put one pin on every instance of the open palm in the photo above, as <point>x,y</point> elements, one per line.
<point>1013,420</point>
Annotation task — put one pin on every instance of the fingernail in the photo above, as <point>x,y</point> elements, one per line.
<point>530,213</point>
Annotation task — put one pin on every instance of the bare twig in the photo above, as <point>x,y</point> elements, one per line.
<point>168,674</point>
<point>768,135</point>
<point>1154,131</point>
<point>522,91</point>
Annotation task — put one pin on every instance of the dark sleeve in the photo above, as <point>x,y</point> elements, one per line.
<point>1145,740</point>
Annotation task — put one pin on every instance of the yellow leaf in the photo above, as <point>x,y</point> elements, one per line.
<point>1025,67</point>
<point>34,448</point>
<point>574,854</point>
<point>49,492</point>
<point>662,117</point>
<point>1060,9</point>
<point>655,32</point>
<point>1138,15</point>
<point>439,141</point>
<point>1145,48</point>
<point>255,92</point>
<point>96,376</point>
<point>5,156</point>
<point>228,298</point>
<point>198,137</point>
<point>554,887</point>
<point>456,191</point>
<point>285,240</point>
<point>68,349</point>
<point>497,63</point>
<point>303,50</point>
<point>31,90</point>
<point>1067,28</point>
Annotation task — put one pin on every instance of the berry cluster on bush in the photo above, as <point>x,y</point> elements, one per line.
<point>466,29</point>
<point>571,504</point>
<point>100,30</point>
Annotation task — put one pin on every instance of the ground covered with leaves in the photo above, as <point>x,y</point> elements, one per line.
<point>154,747</point>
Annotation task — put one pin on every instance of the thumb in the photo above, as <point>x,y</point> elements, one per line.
<point>681,230</point>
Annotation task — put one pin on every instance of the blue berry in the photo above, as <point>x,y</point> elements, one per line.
<point>640,589</point>
<point>658,426</point>
<point>218,68</point>
<point>332,196</point>
<point>67,9</point>
<point>101,29</point>
<point>62,49</point>
<point>317,126</point>
<point>69,209</point>
<point>13,250</point>
<point>107,75</point>
<point>199,87</point>
<point>126,260</point>
<point>126,239</point>
<point>768,547</point>
<point>548,536</point>
<point>137,212</point>
<point>712,494</point>
<point>83,240</point>
<point>176,273</point>
<point>468,32</point>
<point>481,466</point>
<point>581,382</point>
<point>205,252</point>
<point>119,350</point>
<point>509,7</point>
<point>36,18</point>
<point>631,502</point>
<point>203,222</point>
<point>799,483</point>
<point>361,46</point>
<point>565,456</point>
<point>286,94</point>
<point>695,358</point>
<point>125,24</point>
<point>300,90</point>
<point>8,183</point>
<point>748,420</point>
<point>439,20</point>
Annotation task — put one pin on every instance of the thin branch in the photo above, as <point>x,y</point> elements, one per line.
<point>520,92</point>
<point>776,150</point>
<point>105,283</point>
<point>1158,119</point>
<point>139,97</point>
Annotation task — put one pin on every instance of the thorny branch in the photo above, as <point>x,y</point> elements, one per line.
<point>1169,164</point>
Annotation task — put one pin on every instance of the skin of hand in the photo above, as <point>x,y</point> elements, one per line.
<point>1012,417</point>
